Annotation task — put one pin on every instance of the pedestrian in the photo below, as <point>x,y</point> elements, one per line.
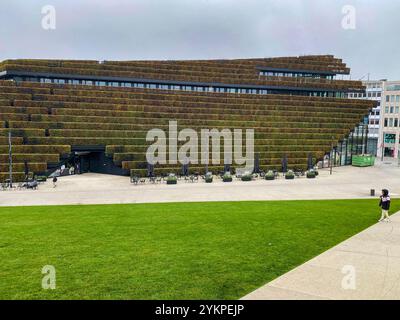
<point>384,203</point>
<point>54,182</point>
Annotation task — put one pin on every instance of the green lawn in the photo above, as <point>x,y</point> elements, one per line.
<point>214,250</point>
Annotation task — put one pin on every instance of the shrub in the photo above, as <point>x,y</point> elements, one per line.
<point>208,177</point>
<point>289,175</point>
<point>227,177</point>
<point>171,179</point>
<point>247,176</point>
<point>270,175</point>
<point>310,174</point>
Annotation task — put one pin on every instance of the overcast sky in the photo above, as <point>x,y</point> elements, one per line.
<point>206,29</point>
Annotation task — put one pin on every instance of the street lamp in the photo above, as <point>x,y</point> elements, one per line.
<point>10,157</point>
<point>330,157</point>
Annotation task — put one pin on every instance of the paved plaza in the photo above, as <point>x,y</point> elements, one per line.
<point>345,183</point>
<point>366,266</point>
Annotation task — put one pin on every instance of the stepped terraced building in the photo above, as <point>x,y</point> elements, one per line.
<point>97,114</point>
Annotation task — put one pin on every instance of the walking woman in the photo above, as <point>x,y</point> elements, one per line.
<point>384,203</point>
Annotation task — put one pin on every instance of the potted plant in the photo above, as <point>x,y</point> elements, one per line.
<point>289,175</point>
<point>247,176</point>
<point>227,177</point>
<point>208,178</point>
<point>171,179</point>
<point>316,170</point>
<point>270,175</point>
<point>41,178</point>
<point>311,174</point>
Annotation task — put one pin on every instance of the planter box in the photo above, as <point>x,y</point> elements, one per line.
<point>363,161</point>
<point>269,177</point>
<point>289,177</point>
<point>41,178</point>
<point>246,178</point>
<point>209,180</point>
<point>227,179</point>
<point>172,181</point>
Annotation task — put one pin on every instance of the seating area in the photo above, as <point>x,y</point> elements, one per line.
<point>48,121</point>
<point>221,176</point>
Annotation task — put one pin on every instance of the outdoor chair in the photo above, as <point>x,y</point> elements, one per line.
<point>152,180</point>
<point>135,180</point>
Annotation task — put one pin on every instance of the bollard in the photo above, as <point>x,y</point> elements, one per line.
<point>372,192</point>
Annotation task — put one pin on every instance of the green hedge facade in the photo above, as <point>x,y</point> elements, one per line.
<point>46,120</point>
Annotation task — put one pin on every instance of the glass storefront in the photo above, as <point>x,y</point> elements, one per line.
<point>355,144</point>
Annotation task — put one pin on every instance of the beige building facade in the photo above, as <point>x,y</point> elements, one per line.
<point>389,128</point>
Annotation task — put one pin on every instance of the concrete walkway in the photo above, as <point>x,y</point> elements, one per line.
<point>366,266</point>
<point>345,183</point>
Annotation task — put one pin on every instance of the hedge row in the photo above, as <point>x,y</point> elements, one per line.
<point>313,62</point>
<point>276,163</point>
<point>14,116</point>
<point>185,123</point>
<point>141,135</point>
<point>133,141</point>
<point>14,140</point>
<point>29,110</point>
<point>111,149</point>
<point>202,170</point>
<point>12,96</point>
<point>31,157</point>
<point>159,98</point>
<point>200,108</point>
<point>25,90</point>
<point>227,67</point>
<point>5,102</point>
<point>210,97</point>
<point>292,127</point>
<point>62,149</point>
<point>212,78</point>
<point>17,176</point>
<point>32,166</point>
<point>141,157</point>
<point>23,132</point>
<point>208,116</point>
<point>58,123</point>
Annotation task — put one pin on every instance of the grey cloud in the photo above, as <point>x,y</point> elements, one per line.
<point>205,29</point>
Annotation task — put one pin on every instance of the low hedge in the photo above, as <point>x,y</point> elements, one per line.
<point>20,167</point>
<point>227,177</point>
<point>247,177</point>
<point>201,108</point>
<point>28,132</point>
<point>208,178</point>
<point>62,149</point>
<point>17,176</point>
<point>310,174</point>
<point>289,175</point>
<point>30,157</point>
<point>14,140</point>
<point>172,179</point>
<point>270,175</point>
